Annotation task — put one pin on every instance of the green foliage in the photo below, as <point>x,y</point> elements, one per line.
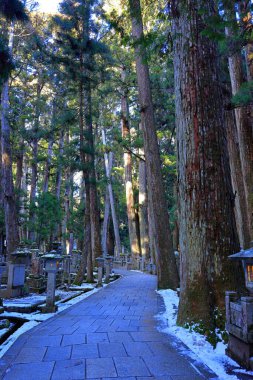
<point>215,335</point>
<point>244,96</point>
<point>47,215</point>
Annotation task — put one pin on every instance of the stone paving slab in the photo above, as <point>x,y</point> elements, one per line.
<point>110,335</point>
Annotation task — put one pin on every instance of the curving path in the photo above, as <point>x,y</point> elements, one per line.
<point>110,335</point>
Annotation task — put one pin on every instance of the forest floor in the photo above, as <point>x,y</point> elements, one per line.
<point>115,333</point>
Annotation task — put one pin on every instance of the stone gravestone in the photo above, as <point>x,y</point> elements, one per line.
<point>36,280</point>
<point>20,259</point>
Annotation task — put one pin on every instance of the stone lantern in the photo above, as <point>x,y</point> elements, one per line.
<point>52,265</point>
<point>57,246</point>
<point>239,315</point>
<point>108,267</point>
<point>100,261</point>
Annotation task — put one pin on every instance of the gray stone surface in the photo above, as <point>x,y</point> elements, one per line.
<point>100,367</point>
<point>36,371</point>
<point>69,370</point>
<point>110,335</point>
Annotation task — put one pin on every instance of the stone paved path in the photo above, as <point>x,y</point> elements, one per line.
<point>110,335</point>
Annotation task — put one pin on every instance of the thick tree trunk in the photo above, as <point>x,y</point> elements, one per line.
<point>68,195</point>
<point>143,208</point>
<point>108,166</point>
<point>34,174</point>
<point>106,223</point>
<point>94,209</point>
<point>23,200</point>
<point>87,247</point>
<point>10,212</point>
<point>128,170</point>
<point>59,168</point>
<point>166,263</point>
<point>206,201</point>
<point>48,165</point>
<point>34,164</point>
<point>245,139</point>
<point>19,163</point>
<point>241,211</point>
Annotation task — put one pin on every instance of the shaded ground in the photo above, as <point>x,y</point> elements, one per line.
<point>110,335</point>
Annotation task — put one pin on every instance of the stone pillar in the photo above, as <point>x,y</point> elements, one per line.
<point>229,297</point>
<point>50,305</point>
<point>100,277</point>
<point>247,315</point>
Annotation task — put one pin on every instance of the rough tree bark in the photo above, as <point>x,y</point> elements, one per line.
<point>48,164</point>
<point>128,170</point>
<point>87,68</point>
<point>165,259</point>
<point>67,204</point>
<point>10,212</point>
<point>34,163</point>
<point>108,166</point>
<point>244,135</point>
<point>206,200</point>
<point>241,209</point>
<point>87,246</point>
<point>106,223</point>
<point>143,207</point>
<point>59,167</point>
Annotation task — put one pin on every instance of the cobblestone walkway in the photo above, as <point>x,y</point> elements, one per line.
<point>110,335</point>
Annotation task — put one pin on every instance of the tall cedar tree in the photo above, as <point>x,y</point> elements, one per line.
<point>12,11</point>
<point>206,201</point>
<point>78,48</point>
<point>165,259</point>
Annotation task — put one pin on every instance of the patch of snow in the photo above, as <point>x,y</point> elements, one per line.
<point>215,359</point>
<point>244,372</point>
<point>83,286</point>
<point>35,318</point>
<point>135,270</point>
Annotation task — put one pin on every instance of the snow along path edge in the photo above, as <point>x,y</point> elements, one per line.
<point>200,351</point>
<point>35,318</point>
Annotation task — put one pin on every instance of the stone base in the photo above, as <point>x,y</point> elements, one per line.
<point>48,309</point>
<point>37,284</point>
<point>240,351</point>
<point>13,292</point>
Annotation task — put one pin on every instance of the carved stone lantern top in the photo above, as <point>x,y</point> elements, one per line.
<point>52,261</point>
<point>246,256</point>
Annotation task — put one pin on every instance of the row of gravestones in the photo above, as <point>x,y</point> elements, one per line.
<point>26,272</point>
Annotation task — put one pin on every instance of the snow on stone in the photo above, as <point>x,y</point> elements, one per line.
<point>213,358</point>
<point>35,318</point>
